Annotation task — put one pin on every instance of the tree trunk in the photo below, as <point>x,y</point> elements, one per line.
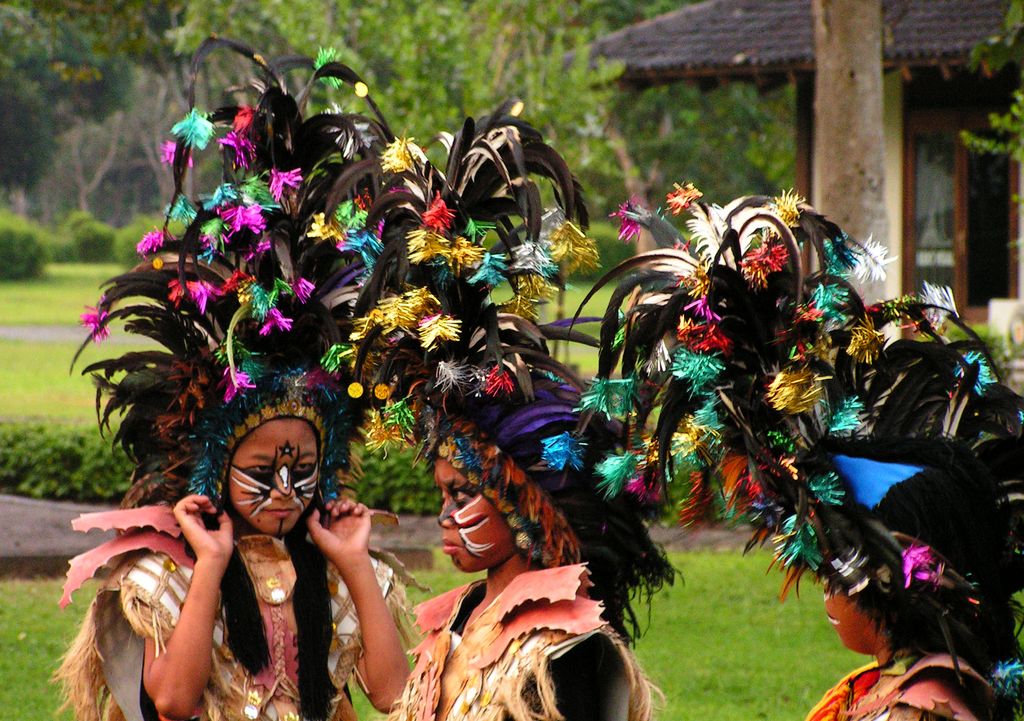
<point>849,140</point>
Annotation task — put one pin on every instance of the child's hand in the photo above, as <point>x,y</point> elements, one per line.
<point>344,532</point>
<point>214,545</point>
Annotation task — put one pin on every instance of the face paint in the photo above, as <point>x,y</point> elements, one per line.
<point>473,532</point>
<point>274,474</point>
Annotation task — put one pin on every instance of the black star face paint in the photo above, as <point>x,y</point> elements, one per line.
<point>273,476</point>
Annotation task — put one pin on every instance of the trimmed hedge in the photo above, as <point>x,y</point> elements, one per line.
<point>92,240</point>
<point>22,247</point>
<point>73,462</point>
<point>66,462</point>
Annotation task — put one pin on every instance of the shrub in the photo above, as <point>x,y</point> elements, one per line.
<point>73,462</point>
<point>66,462</point>
<point>128,236</point>
<point>91,239</point>
<point>398,483</point>
<point>21,247</point>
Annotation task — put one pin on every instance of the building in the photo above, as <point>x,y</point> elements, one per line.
<point>953,214</point>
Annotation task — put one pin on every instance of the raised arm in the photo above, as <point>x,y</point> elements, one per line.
<point>345,542</point>
<point>175,679</point>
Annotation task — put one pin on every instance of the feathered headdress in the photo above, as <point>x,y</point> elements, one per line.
<point>450,343</point>
<point>250,306</point>
<point>774,379</point>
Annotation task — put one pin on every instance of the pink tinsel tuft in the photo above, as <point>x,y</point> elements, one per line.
<point>920,564</point>
<point>275,321</point>
<point>151,242</point>
<point>240,383</point>
<point>95,320</point>
<point>279,180</point>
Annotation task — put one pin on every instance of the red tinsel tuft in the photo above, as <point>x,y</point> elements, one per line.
<point>243,119</point>
<point>499,382</point>
<point>438,216</point>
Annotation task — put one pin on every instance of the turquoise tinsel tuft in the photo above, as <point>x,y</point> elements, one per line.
<point>829,299</point>
<point>985,375</point>
<point>182,211</point>
<point>194,130</point>
<point>840,258</point>
<point>563,450</point>
<point>491,271</point>
<point>1007,677</point>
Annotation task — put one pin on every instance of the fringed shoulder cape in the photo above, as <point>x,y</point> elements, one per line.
<point>539,651</point>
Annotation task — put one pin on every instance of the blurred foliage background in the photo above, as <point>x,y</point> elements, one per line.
<point>90,88</point>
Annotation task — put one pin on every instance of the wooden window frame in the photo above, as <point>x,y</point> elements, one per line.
<point>923,120</point>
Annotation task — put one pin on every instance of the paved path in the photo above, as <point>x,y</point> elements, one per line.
<point>58,334</point>
<point>37,538</point>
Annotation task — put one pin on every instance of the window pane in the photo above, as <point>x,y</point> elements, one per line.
<point>988,228</point>
<point>934,199</point>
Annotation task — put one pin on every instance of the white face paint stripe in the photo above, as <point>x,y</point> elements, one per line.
<point>473,548</point>
<point>241,479</point>
<point>282,473</point>
<point>464,515</point>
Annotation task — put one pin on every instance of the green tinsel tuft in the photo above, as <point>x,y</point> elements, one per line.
<point>336,356</point>
<point>400,415</point>
<point>780,441</point>
<point>256,189</point>
<point>475,230</point>
<point>610,397</point>
<point>798,545</point>
<point>827,488</point>
<point>846,418</point>
<point>615,471</point>
<point>699,369</point>
<point>324,56</point>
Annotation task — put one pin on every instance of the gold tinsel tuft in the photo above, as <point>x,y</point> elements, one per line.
<point>426,244</point>
<point>522,306</point>
<point>699,281</point>
<point>787,206</point>
<point>571,247</point>
<point>865,341</point>
<point>462,254</point>
<point>794,392</point>
<point>323,229</point>
<point>536,288</point>
<point>399,156</point>
<point>379,436</point>
<point>439,328</point>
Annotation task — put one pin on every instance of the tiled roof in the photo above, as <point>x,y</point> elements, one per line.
<point>743,37</point>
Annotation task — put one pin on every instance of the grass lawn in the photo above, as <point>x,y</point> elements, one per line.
<point>57,298</point>
<point>719,644</point>
<point>35,375</point>
<point>37,380</point>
